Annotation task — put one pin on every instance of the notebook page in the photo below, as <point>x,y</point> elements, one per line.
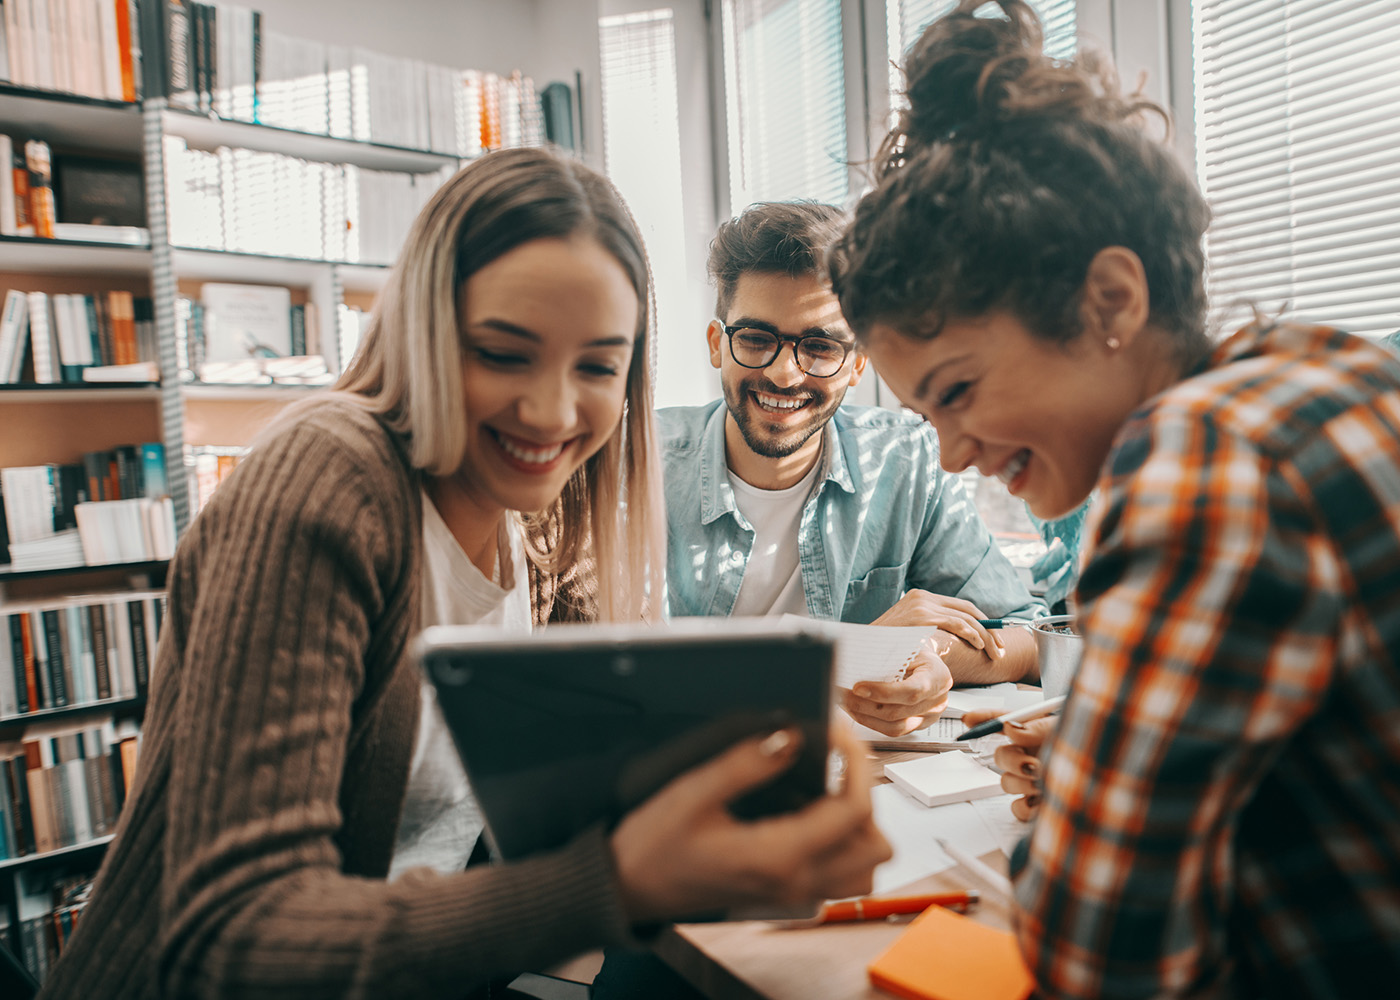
<point>870,652</point>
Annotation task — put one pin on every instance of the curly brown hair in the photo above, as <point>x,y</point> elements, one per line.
<point>1006,175</point>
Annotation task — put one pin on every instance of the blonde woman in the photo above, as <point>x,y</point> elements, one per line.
<point>289,763</point>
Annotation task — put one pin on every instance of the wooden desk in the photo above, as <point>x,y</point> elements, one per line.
<point>753,960</point>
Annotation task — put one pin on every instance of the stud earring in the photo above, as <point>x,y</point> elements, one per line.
<point>1113,343</point>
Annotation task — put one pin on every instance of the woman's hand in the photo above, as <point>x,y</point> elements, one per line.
<point>1019,760</point>
<point>682,852</point>
<point>906,704</point>
<point>951,614</point>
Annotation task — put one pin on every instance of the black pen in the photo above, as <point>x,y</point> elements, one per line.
<point>1047,707</point>
<point>1002,622</point>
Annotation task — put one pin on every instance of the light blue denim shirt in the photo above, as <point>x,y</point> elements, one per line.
<point>883,518</point>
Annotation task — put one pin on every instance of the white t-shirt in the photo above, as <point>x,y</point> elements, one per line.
<point>772,582</point>
<point>441,820</point>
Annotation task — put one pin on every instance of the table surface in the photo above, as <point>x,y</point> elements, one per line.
<point>754,960</point>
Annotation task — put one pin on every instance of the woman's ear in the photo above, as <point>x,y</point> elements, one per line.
<point>1115,302</point>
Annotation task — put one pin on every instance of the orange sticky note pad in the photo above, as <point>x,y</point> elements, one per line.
<point>943,955</point>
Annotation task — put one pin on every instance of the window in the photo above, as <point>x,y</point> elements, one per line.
<point>642,146</point>
<point>785,91</point>
<point>908,19</point>
<point>1296,143</point>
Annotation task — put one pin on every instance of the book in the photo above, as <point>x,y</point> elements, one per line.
<point>941,779</point>
<point>42,209</point>
<point>944,955</point>
<point>14,326</point>
<point>8,222</point>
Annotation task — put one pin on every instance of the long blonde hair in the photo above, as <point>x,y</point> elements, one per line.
<point>408,368</point>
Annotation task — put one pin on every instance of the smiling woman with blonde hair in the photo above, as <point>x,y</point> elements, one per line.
<point>300,825</point>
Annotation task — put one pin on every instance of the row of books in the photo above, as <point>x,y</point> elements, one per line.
<point>77,338</point>
<point>225,61</point>
<point>255,202</point>
<point>50,901</point>
<point>208,466</point>
<point>27,206</point>
<point>76,46</point>
<point>77,650</point>
<point>112,507</point>
<point>64,787</point>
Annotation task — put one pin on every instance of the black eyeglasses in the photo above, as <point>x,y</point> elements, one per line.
<point>818,356</point>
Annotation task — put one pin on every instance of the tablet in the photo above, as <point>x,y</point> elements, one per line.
<point>579,724</point>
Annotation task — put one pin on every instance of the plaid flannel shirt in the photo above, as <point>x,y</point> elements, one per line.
<point>1221,815</point>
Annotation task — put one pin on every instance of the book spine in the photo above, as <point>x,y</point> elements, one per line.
<point>12,773</point>
<point>139,655</point>
<point>31,671</point>
<point>41,204</point>
<point>97,625</point>
<point>40,807</point>
<point>20,660</point>
<point>40,650</point>
<point>54,659</point>
<point>19,175</point>
<point>41,342</point>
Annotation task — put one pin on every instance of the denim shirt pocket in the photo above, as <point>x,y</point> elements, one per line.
<point>873,594</point>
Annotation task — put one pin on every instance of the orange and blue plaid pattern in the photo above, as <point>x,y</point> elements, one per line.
<point>1221,815</point>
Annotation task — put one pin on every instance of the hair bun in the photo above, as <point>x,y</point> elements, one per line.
<point>967,71</point>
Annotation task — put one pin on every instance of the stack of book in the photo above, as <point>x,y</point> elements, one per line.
<point>52,516</point>
<point>78,650</point>
<point>75,46</point>
<point>77,338</point>
<point>225,61</point>
<point>208,466</point>
<point>64,787</point>
<point>50,899</point>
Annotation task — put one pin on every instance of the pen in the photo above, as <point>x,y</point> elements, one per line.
<point>1047,707</point>
<point>878,908</point>
<point>997,881</point>
<point>1002,622</point>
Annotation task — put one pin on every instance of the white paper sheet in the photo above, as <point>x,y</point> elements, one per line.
<point>870,652</point>
<point>911,828</point>
<point>1002,827</point>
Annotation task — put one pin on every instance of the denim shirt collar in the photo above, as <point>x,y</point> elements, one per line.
<point>717,496</point>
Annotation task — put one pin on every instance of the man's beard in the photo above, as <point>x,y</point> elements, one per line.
<point>753,424</point>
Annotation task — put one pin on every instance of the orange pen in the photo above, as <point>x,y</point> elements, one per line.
<point>880,907</point>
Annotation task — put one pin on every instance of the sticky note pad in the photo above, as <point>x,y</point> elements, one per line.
<point>943,955</point>
<point>940,779</point>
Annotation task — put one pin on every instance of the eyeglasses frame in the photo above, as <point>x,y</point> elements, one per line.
<point>783,340</point>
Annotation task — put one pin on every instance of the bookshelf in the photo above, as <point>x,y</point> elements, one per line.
<point>369,163</point>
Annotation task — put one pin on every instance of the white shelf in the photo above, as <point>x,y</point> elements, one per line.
<point>228,265</point>
<point>26,859</point>
<point>273,392</point>
<point>69,120</point>
<point>38,256</point>
<point>363,277</point>
<point>205,132</point>
<point>93,392</point>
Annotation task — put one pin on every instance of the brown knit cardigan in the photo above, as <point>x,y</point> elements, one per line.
<point>251,855</point>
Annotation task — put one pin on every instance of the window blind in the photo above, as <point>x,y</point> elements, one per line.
<point>642,142</point>
<point>907,20</point>
<point>1299,155</point>
<point>785,90</point>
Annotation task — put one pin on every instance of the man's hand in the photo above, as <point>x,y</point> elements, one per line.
<point>973,653</point>
<point>906,704</point>
<point>950,614</point>
<point>1019,760</point>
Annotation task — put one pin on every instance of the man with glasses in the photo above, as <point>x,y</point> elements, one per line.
<point>781,500</point>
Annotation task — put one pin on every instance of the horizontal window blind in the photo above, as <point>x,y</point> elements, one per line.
<point>642,143</point>
<point>907,20</point>
<point>786,100</point>
<point>1298,150</point>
